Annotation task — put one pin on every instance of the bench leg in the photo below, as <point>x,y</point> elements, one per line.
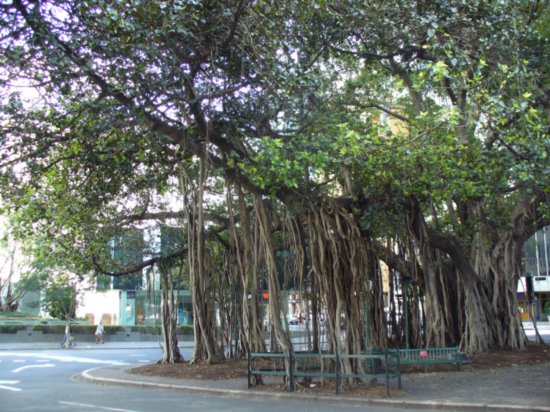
<point>399,380</point>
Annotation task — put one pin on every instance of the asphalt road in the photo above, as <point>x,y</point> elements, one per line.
<point>47,381</point>
<point>543,329</point>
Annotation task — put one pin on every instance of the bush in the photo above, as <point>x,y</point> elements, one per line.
<point>82,329</point>
<point>109,329</point>
<point>76,329</point>
<point>186,330</point>
<point>112,329</point>
<point>157,330</point>
<point>11,328</point>
<point>49,328</point>
<point>153,330</point>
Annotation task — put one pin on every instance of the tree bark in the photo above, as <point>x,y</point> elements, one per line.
<point>169,313</point>
<point>206,348</point>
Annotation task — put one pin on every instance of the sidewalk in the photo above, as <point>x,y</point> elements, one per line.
<point>86,345</point>
<point>515,388</point>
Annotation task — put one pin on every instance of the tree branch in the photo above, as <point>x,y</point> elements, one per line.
<point>129,269</point>
<point>383,109</point>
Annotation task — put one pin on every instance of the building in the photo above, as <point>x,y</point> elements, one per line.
<point>534,286</point>
<point>132,299</point>
<point>135,299</point>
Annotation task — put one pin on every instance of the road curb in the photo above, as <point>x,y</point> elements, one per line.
<point>87,375</point>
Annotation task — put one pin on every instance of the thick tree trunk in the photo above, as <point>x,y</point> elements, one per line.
<point>247,261</point>
<point>9,300</point>
<point>348,280</point>
<point>441,301</point>
<point>277,315</point>
<point>480,333</point>
<point>499,266</point>
<point>202,294</point>
<point>487,279</point>
<point>169,313</point>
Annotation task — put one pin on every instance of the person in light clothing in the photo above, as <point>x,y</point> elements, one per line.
<point>99,333</point>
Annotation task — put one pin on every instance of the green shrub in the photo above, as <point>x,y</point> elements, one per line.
<point>152,330</point>
<point>185,330</point>
<point>109,329</point>
<point>157,330</point>
<point>76,329</point>
<point>11,328</point>
<point>113,329</point>
<point>82,329</point>
<point>45,328</point>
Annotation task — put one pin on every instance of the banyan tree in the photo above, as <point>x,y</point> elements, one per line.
<point>359,138</point>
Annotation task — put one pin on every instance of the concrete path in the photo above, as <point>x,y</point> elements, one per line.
<point>85,345</point>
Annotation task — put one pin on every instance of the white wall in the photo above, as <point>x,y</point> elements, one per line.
<point>100,305</point>
<point>541,283</point>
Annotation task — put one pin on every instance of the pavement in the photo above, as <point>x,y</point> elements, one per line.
<point>514,388</point>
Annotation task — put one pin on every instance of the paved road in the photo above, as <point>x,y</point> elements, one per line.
<point>41,381</point>
<point>543,328</point>
<point>41,377</point>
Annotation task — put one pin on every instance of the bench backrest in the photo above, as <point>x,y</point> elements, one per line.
<point>427,355</point>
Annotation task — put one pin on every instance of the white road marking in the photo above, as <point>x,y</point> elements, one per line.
<point>9,388</point>
<point>61,358</point>
<point>96,407</point>
<point>44,365</point>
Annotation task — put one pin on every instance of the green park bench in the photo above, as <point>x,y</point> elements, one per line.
<point>429,356</point>
<point>373,367</point>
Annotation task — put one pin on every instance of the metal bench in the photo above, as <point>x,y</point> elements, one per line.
<point>373,366</point>
<point>429,356</point>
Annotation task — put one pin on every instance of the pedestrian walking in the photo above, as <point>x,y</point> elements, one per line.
<point>68,339</point>
<point>99,331</point>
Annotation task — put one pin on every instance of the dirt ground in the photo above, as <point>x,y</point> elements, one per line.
<point>233,369</point>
